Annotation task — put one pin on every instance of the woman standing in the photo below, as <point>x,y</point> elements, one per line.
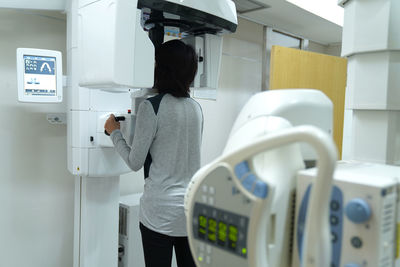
<point>167,144</point>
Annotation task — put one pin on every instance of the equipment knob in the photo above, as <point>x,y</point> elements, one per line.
<point>352,265</point>
<point>358,211</point>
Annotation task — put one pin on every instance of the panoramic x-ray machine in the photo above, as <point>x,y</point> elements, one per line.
<point>110,60</point>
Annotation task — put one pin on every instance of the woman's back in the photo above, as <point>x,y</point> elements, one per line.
<point>173,158</point>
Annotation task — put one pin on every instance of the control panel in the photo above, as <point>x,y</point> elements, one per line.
<point>335,219</point>
<point>362,214</point>
<point>39,75</point>
<point>220,224</point>
<point>220,228</point>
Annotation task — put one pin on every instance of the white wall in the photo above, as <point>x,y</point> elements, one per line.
<point>36,190</point>
<point>240,78</point>
<point>332,49</point>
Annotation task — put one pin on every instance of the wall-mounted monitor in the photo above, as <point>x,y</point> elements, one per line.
<point>39,74</point>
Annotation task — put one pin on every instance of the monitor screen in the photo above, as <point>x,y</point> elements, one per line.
<point>40,76</point>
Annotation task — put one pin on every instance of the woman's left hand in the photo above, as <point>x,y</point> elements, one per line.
<point>111,124</point>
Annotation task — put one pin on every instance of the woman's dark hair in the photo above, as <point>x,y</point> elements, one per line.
<point>176,66</point>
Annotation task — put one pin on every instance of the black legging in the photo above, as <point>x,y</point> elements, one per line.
<point>157,249</point>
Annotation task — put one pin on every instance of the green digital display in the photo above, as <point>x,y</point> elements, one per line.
<point>202,226</point>
<point>212,230</point>
<point>219,232</point>
<point>233,237</point>
<point>223,229</point>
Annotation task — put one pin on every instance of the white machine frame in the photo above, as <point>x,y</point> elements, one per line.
<point>357,239</point>
<point>316,251</point>
<point>100,77</point>
<point>22,97</point>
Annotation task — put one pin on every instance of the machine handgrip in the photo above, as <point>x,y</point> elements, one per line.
<point>119,118</point>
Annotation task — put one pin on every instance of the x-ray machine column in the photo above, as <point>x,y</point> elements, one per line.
<point>91,156</point>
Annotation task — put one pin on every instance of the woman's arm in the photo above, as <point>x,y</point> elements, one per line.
<point>145,130</point>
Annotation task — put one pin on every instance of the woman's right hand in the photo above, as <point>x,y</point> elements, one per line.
<point>111,124</point>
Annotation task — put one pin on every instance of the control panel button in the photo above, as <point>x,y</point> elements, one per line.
<point>249,181</point>
<point>334,220</point>
<point>201,257</point>
<point>201,246</point>
<point>211,190</point>
<point>260,189</point>
<point>241,169</point>
<point>335,206</point>
<point>358,211</point>
<point>334,237</point>
<point>356,242</point>
<point>204,188</point>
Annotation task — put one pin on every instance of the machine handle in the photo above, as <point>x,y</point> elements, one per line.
<point>119,118</point>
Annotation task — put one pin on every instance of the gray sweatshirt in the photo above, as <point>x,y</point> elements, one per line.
<point>167,144</point>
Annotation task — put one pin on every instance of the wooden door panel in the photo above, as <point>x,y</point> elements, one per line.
<point>293,68</point>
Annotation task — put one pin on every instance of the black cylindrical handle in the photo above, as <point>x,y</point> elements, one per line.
<point>120,118</point>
